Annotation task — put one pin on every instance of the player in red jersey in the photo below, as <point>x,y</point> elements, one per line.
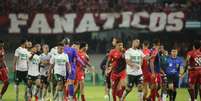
<point>194,64</point>
<point>3,70</point>
<point>80,70</point>
<point>145,69</point>
<point>118,66</point>
<point>155,71</point>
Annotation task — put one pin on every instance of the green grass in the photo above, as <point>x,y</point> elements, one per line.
<point>93,93</point>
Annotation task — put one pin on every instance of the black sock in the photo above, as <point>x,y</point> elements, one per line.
<point>174,95</point>
<point>170,93</point>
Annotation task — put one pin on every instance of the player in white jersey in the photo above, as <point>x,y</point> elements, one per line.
<point>44,66</point>
<point>134,58</point>
<point>33,74</point>
<point>60,64</point>
<point>20,66</point>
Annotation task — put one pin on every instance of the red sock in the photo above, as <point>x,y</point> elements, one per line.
<point>114,94</point>
<point>120,92</point>
<point>83,98</point>
<point>192,94</point>
<point>36,97</point>
<point>153,94</point>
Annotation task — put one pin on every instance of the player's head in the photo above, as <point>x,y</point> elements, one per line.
<point>45,48</point>
<point>60,47</point>
<point>156,44</point>
<point>174,52</point>
<point>136,43</point>
<point>38,47</point>
<point>76,45</point>
<point>83,46</point>
<point>29,44</point>
<point>114,41</point>
<point>119,45</point>
<point>1,44</point>
<point>34,50</point>
<point>145,44</point>
<point>66,41</point>
<point>23,43</point>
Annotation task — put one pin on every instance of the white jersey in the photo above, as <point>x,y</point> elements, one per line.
<point>44,67</point>
<point>22,60</point>
<point>59,61</point>
<point>136,56</point>
<point>33,65</point>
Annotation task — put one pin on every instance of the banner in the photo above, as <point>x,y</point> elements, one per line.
<point>42,23</point>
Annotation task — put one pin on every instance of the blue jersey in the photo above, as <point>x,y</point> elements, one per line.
<point>173,66</point>
<point>72,55</point>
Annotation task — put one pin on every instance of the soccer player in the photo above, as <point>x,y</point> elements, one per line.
<point>44,66</point>
<point>163,64</point>
<point>82,53</point>
<point>173,71</point>
<point>134,58</point>
<point>194,64</point>
<point>107,72</point>
<point>60,64</point>
<point>145,70</point>
<point>155,71</point>
<point>3,70</point>
<point>72,54</point>
<point>33,74</point>
<point>20,66</point>
<point>118,72</point>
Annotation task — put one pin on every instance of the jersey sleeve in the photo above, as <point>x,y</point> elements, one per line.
<point>110,55</point>
<point>16,53</point>
<point>52,60</point>
<point>127,55</point>
<point>142,54</point>
<point>67,58</point>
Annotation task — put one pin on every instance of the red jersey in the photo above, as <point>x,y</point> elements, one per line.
<point>117,59</point>
<point>145,64</point>
<point>195,58</point>
<point>84,57</point>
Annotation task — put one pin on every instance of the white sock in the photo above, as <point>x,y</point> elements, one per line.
<point>61,95</point>
<point>140,96</point>
<point>164,97</point>
<point>70,98</point>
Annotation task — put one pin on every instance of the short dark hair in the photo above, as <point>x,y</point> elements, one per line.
<point>22,41</point>
<point>60,44</point>
<point>197,44</point>
<point>119,41</point>
<point>146,43</point>
<point>83,44</point>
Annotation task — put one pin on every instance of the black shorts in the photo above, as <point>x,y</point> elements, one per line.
<point>134,80</point>
<point>59,77</point>
<point>33,78</point>
<point>173,79</point>
<point>44,79</point>
<point>21,76</point>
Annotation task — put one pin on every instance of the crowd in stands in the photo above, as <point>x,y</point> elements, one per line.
<point>192,7</point>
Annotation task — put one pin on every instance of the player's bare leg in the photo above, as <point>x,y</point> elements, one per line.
<point>82,90</point>
<point>59,91</point>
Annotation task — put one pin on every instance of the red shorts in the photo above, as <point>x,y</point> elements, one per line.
<point>80,75</point>
<point>194,76</point>
<point>157,79</point>
<point>147,77</point>
<point>3,74</point>
<point>115,76</point>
